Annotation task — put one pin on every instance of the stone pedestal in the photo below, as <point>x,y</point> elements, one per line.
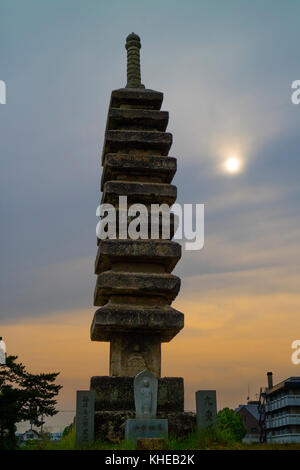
<point>139,427</point>
<point>110,425</point>
<point>114,404</point>
<point>116,393</point>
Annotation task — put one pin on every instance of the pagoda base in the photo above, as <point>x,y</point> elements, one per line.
<point>110,425</point>
<point>114,404</point>
<point>116,393</point>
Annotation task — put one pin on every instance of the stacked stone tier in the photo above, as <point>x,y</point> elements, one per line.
<point>113,319</point>
<point>136,192</point>
<point>136,98</point>
<point>136,284</point>
<point>113,252</point>
<point>160,169</point>
<point>142,119</point>
<point>166,226</point>
<point>135,287</point>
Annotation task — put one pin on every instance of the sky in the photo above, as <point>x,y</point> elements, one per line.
<point>226,69</point>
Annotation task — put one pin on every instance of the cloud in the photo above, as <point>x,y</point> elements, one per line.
<point>51,288</point>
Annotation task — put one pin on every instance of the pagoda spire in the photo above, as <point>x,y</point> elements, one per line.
<point>133,46</point>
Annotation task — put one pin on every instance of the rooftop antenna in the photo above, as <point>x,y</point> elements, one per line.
<point>248,397</point>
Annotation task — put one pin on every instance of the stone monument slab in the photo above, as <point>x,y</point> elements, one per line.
<point>85,409</point>
<point>206,408</point>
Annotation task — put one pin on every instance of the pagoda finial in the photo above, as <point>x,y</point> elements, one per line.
<point>133,45</point>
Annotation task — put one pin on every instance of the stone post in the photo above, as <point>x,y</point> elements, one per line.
<point>206,408</point>
<point>84,422</point>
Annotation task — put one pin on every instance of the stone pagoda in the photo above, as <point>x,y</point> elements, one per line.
<point>135,287</point>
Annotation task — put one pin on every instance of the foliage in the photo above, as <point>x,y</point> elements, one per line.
<point>68,429</point>
<point>231,423</point>
<point>23,396</point>
<point>66,443</point>
<point>205,439</point>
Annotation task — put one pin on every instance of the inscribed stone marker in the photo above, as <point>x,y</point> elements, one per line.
<point>206,408</point>
<point>85,408</point>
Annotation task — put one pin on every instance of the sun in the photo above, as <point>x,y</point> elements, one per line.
<point>232,165</point>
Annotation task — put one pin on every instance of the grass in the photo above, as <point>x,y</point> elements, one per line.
<point>212,439</point>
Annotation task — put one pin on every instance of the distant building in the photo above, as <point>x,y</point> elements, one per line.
<point>29,435</point>
<point>56,436</point>
<point>282,410</point>
<point>32,435</point>
<point>250,416</point>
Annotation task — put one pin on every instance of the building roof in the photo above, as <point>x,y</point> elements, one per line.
<point>290,383</point>
<point>31,431</point>
<point>251,407</point>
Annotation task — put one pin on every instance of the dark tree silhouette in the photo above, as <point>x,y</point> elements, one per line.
<point>24,396</point>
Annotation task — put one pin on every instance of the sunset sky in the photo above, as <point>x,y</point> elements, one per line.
<point>226,69</point>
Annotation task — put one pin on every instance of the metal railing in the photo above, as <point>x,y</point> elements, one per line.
<point>289,400</point>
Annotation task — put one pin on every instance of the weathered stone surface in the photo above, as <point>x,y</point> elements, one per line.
<point>149,141</point>
<point>137,284</point>
<point>206,408</point>
<point>145,119</point>
<point>142,427</point>
<point>130,354</point>
<point>116,393</point>
<point>147,168</point>
<point>136,192</point>
<point>85,409</point>
<point>136,98</point>
<point>163,252</point>
<point>166,322</point>
<point>151,443</point>
<point>110,425</point>
<point>145,394</point>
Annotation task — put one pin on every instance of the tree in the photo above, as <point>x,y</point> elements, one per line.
<point>24,396</point>
<point>67,430</point>
<point>231,422</point>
